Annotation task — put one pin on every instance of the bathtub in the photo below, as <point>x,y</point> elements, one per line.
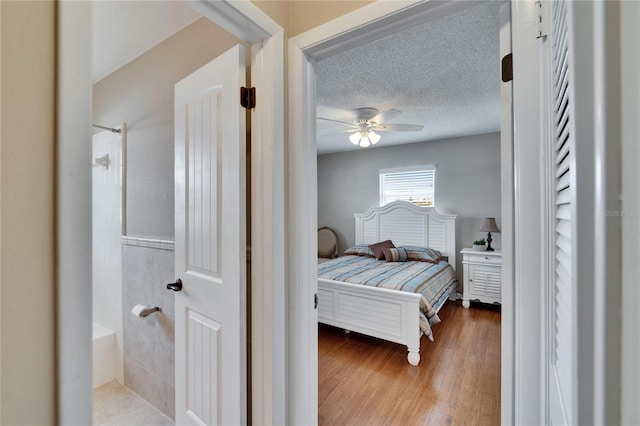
<point>104,355</point>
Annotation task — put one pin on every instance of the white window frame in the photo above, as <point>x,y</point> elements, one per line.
<point>412,169</point>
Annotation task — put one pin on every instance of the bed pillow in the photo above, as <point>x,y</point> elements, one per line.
<point>395,254</point>
<point>359,250</point>
<point>423,254</point>
<point>377,248</point>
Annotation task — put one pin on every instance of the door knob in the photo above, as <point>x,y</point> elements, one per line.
<point>177,286</point>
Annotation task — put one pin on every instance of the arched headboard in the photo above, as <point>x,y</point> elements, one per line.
<point>408,225</point>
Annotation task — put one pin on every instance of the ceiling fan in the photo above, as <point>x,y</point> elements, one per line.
<point>367,121</point>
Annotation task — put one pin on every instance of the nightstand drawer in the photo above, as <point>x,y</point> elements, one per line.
<point>483,258</point>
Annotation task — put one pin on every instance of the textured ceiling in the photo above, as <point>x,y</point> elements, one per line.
<point>124,30</point>
<point>443,74</point>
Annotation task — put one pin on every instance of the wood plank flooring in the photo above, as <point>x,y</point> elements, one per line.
<point>367,381</point>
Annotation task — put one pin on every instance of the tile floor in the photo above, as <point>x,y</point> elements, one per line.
<point>115,405</point>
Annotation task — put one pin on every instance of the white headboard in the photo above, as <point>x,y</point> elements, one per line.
<point>408,225</point>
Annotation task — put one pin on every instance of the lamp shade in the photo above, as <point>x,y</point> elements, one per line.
<point>374,137</point>
<point>489,225</point>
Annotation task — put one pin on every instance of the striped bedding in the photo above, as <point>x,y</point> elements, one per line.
<point>429,279</point>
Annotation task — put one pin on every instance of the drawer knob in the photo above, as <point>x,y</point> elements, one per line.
<point>486,258</point>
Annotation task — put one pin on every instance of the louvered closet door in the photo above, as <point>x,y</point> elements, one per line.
<point>562,371</point>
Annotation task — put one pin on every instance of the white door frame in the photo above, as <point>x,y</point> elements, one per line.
<point>74,119</point>
<point>507,217</point>
<point>356,28</point>
<point>630,42</point>
<point>526,294</point>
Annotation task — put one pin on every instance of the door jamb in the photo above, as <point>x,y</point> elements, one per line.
<point>365,24</point>
<point>73,329</point>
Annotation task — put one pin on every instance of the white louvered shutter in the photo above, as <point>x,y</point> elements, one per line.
<point>562,381</point>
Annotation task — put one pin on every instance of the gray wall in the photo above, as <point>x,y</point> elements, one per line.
<point>141,95</point>
<point>149,342</point>
<point>467,183</point>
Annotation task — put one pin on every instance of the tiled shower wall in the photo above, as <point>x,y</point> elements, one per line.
<point>148,265</point>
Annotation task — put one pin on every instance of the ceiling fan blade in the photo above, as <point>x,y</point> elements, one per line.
<point>337,132</point>
<point>336,121</point>
<point>399,127</point>
<point>385,116</point>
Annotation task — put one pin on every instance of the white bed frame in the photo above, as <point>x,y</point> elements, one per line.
<point>388,314</point>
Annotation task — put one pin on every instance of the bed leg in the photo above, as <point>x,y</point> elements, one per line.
<point>347,331</point>
<point>413,356</point>
<point>466,303</point>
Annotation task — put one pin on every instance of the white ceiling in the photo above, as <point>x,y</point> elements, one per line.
<point>125,29</point>
<point>443,74</point>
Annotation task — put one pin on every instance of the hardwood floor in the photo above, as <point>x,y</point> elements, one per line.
<point>367,381</point>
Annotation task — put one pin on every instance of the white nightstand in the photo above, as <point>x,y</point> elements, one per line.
<point>482,276</point>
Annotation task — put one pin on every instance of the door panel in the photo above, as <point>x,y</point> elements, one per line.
<point>203,367</point>
<point>561,318</point>
<point>210,230</point>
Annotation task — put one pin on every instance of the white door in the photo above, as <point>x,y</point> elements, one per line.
<point>210,244</point>
<point>561,318</point>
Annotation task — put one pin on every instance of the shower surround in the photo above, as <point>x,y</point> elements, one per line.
<point>107,191</point>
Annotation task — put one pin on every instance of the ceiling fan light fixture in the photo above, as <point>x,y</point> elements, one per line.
<point>364,142</point>
<point>364,138</point>
<point>374,137</point>
<point>366,120</point>
<point>355,138</point>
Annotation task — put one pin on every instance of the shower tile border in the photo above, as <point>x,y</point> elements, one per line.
<point>148,242</point>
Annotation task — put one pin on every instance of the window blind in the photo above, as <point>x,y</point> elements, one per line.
<point>416,186</point>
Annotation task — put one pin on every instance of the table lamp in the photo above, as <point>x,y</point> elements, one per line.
<point>489,226</point>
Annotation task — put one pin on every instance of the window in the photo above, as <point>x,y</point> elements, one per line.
<point>415,185</point>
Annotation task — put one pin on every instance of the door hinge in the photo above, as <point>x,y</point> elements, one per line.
<point>315,301</point>
<point>541,21</point>
<point>248,97</point>
<point>507,68</point>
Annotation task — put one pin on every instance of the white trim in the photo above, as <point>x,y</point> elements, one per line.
<point>408,169</point>
<point>630,314</point>
<point>605,195</point>
<point>73,213</point>
<point>124,163</point>
<point>302,385</point>
<point>148,243</point>
<point>268,287</point>
<point>367,23</point>
<point>370,23</point>
<point>527,215</point>
<point>249,23</point>
<point>507,219</point>
<point>241,18</point>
